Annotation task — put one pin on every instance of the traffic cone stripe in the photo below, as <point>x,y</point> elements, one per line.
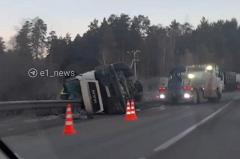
<point>69,116</point>
<point>68,123</point>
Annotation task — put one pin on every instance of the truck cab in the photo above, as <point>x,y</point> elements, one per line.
<point>178,89</point>
<point>193,84</point>
<point>103,90</point>
<point>207,80</point>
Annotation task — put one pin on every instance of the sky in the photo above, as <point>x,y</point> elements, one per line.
<point>74,16</point>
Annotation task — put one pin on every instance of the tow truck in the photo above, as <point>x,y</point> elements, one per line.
<point>103,90</point>
<point>193,84</point>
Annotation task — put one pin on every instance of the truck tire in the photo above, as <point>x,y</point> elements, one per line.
<point>201,96</point>
<point>116,108</point>
<point>216,99</point>
<point>219,96</point>
<point>195,97</point>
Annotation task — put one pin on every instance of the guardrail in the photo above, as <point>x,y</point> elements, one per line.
<point>39,107</point>
<point>34,104</point>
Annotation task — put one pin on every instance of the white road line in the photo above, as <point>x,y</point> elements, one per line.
<point>40,119</point>
<point>175,139</point>
<point>138,110</point>
<point>161,108</point>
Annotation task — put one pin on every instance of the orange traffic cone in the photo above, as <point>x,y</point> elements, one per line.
<point>68,128</point>
<point>130,111</point>
<point>133,110</point>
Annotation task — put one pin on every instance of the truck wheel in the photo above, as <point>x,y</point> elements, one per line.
<point>195,97</point>
<point>200,96</point>
<point>219,96</point>
<point>117,109</point>
<point>216,99</point>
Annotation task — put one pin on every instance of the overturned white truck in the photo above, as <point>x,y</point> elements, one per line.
<point>105,89</point>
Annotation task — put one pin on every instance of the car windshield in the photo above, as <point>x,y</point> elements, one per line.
<point>175,82</point>
<point>196,69</point>
<point>118,79</point>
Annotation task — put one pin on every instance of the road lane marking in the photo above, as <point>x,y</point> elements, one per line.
<point>175,139</point>
<point>161,108</point>
<point>40,119</point>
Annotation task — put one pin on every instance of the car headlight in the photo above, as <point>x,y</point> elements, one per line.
<point>209,68</point>
<point>187,95</point>
<point>191,76</point>
<point>162,96</point>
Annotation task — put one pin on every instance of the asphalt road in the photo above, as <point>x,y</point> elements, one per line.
<point>209,130</point>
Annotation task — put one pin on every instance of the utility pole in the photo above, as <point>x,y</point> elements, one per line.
<point>134,62</point>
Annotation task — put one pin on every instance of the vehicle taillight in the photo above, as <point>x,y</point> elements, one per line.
<point>187,88</point>
<point>162,89</point>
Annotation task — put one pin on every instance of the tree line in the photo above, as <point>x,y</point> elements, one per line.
<point>112,40</point>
